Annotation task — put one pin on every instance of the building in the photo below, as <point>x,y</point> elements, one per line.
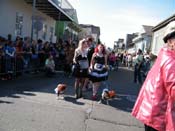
<point>68,30</point>
<point>158,33</point>
<point>130,47</point>
<point>18,18</point>
<point>143,40</point>
<point>90,30</point>
<point>129,38</point>
<point>119,45</point>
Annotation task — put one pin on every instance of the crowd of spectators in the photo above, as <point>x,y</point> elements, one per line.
<point>26,56</point>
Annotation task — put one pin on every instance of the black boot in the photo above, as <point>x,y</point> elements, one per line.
<point>78,92</point>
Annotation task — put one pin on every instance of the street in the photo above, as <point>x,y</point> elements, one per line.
<point>29,104</point>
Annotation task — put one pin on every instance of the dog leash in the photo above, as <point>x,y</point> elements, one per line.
<point>106,83</point>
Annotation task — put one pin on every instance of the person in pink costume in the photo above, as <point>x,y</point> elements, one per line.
<point>155,105</point>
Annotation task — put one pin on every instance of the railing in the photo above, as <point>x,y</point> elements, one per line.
<point>27,63</point>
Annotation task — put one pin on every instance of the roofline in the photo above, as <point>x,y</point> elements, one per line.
<point>163,23</point>
<point>89,25</point>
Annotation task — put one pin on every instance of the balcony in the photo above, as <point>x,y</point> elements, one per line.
<point>51,8</point>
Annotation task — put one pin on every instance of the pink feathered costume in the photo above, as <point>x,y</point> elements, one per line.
<point>155,105</point>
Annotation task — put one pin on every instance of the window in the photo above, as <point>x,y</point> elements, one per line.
<point>44,31</point>
<point>38,25</point>
<point>19,24</point>
<point>51,33</point>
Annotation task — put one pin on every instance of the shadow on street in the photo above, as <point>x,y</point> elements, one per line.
<point>73,100</point>
<point>121,81</point>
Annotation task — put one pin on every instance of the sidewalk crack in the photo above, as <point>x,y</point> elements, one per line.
<point>115,123</point>
<point>88,115</point>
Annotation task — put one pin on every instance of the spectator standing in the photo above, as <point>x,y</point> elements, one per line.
<point>90,51</point>
<point>138,66</point>
<point>2,58</point>
<point>19,60</point>
<point>27,56</point>
<point>69,58</point>
<point>112,60</point>
<point>46,50</point>
<point>129,60</point>
<point>10,59</point>
<point>40,53</point>
<point>34,58</point>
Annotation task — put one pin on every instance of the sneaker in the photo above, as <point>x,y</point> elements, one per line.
<point>78,92</point>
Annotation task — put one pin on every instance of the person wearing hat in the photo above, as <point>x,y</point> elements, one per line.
<point>155,105</point>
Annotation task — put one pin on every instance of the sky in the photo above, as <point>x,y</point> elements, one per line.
<point>117,18</point>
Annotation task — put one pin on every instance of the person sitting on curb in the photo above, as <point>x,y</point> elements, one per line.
<point>50,66</point>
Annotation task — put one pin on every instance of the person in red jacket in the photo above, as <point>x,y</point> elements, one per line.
<point>155,105</point>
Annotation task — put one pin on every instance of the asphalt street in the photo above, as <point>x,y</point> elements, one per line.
<point>29,103</point>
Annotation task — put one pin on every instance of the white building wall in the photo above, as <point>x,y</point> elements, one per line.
<point>158,42</point>
<point>147,43</point>
<point>95,37</point>
<point>144,44</point>
<point>131,50</point>
<point>8,10</point>
<point>139,45</point>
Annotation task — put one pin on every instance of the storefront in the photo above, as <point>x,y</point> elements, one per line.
<point>16,18</point>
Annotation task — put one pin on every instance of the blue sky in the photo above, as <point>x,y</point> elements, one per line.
<point>116,18</point>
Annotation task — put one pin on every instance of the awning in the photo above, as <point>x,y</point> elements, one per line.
<point>51,8</point>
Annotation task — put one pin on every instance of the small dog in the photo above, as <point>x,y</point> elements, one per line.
<point>60,89</point>
<point>107,95</point>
